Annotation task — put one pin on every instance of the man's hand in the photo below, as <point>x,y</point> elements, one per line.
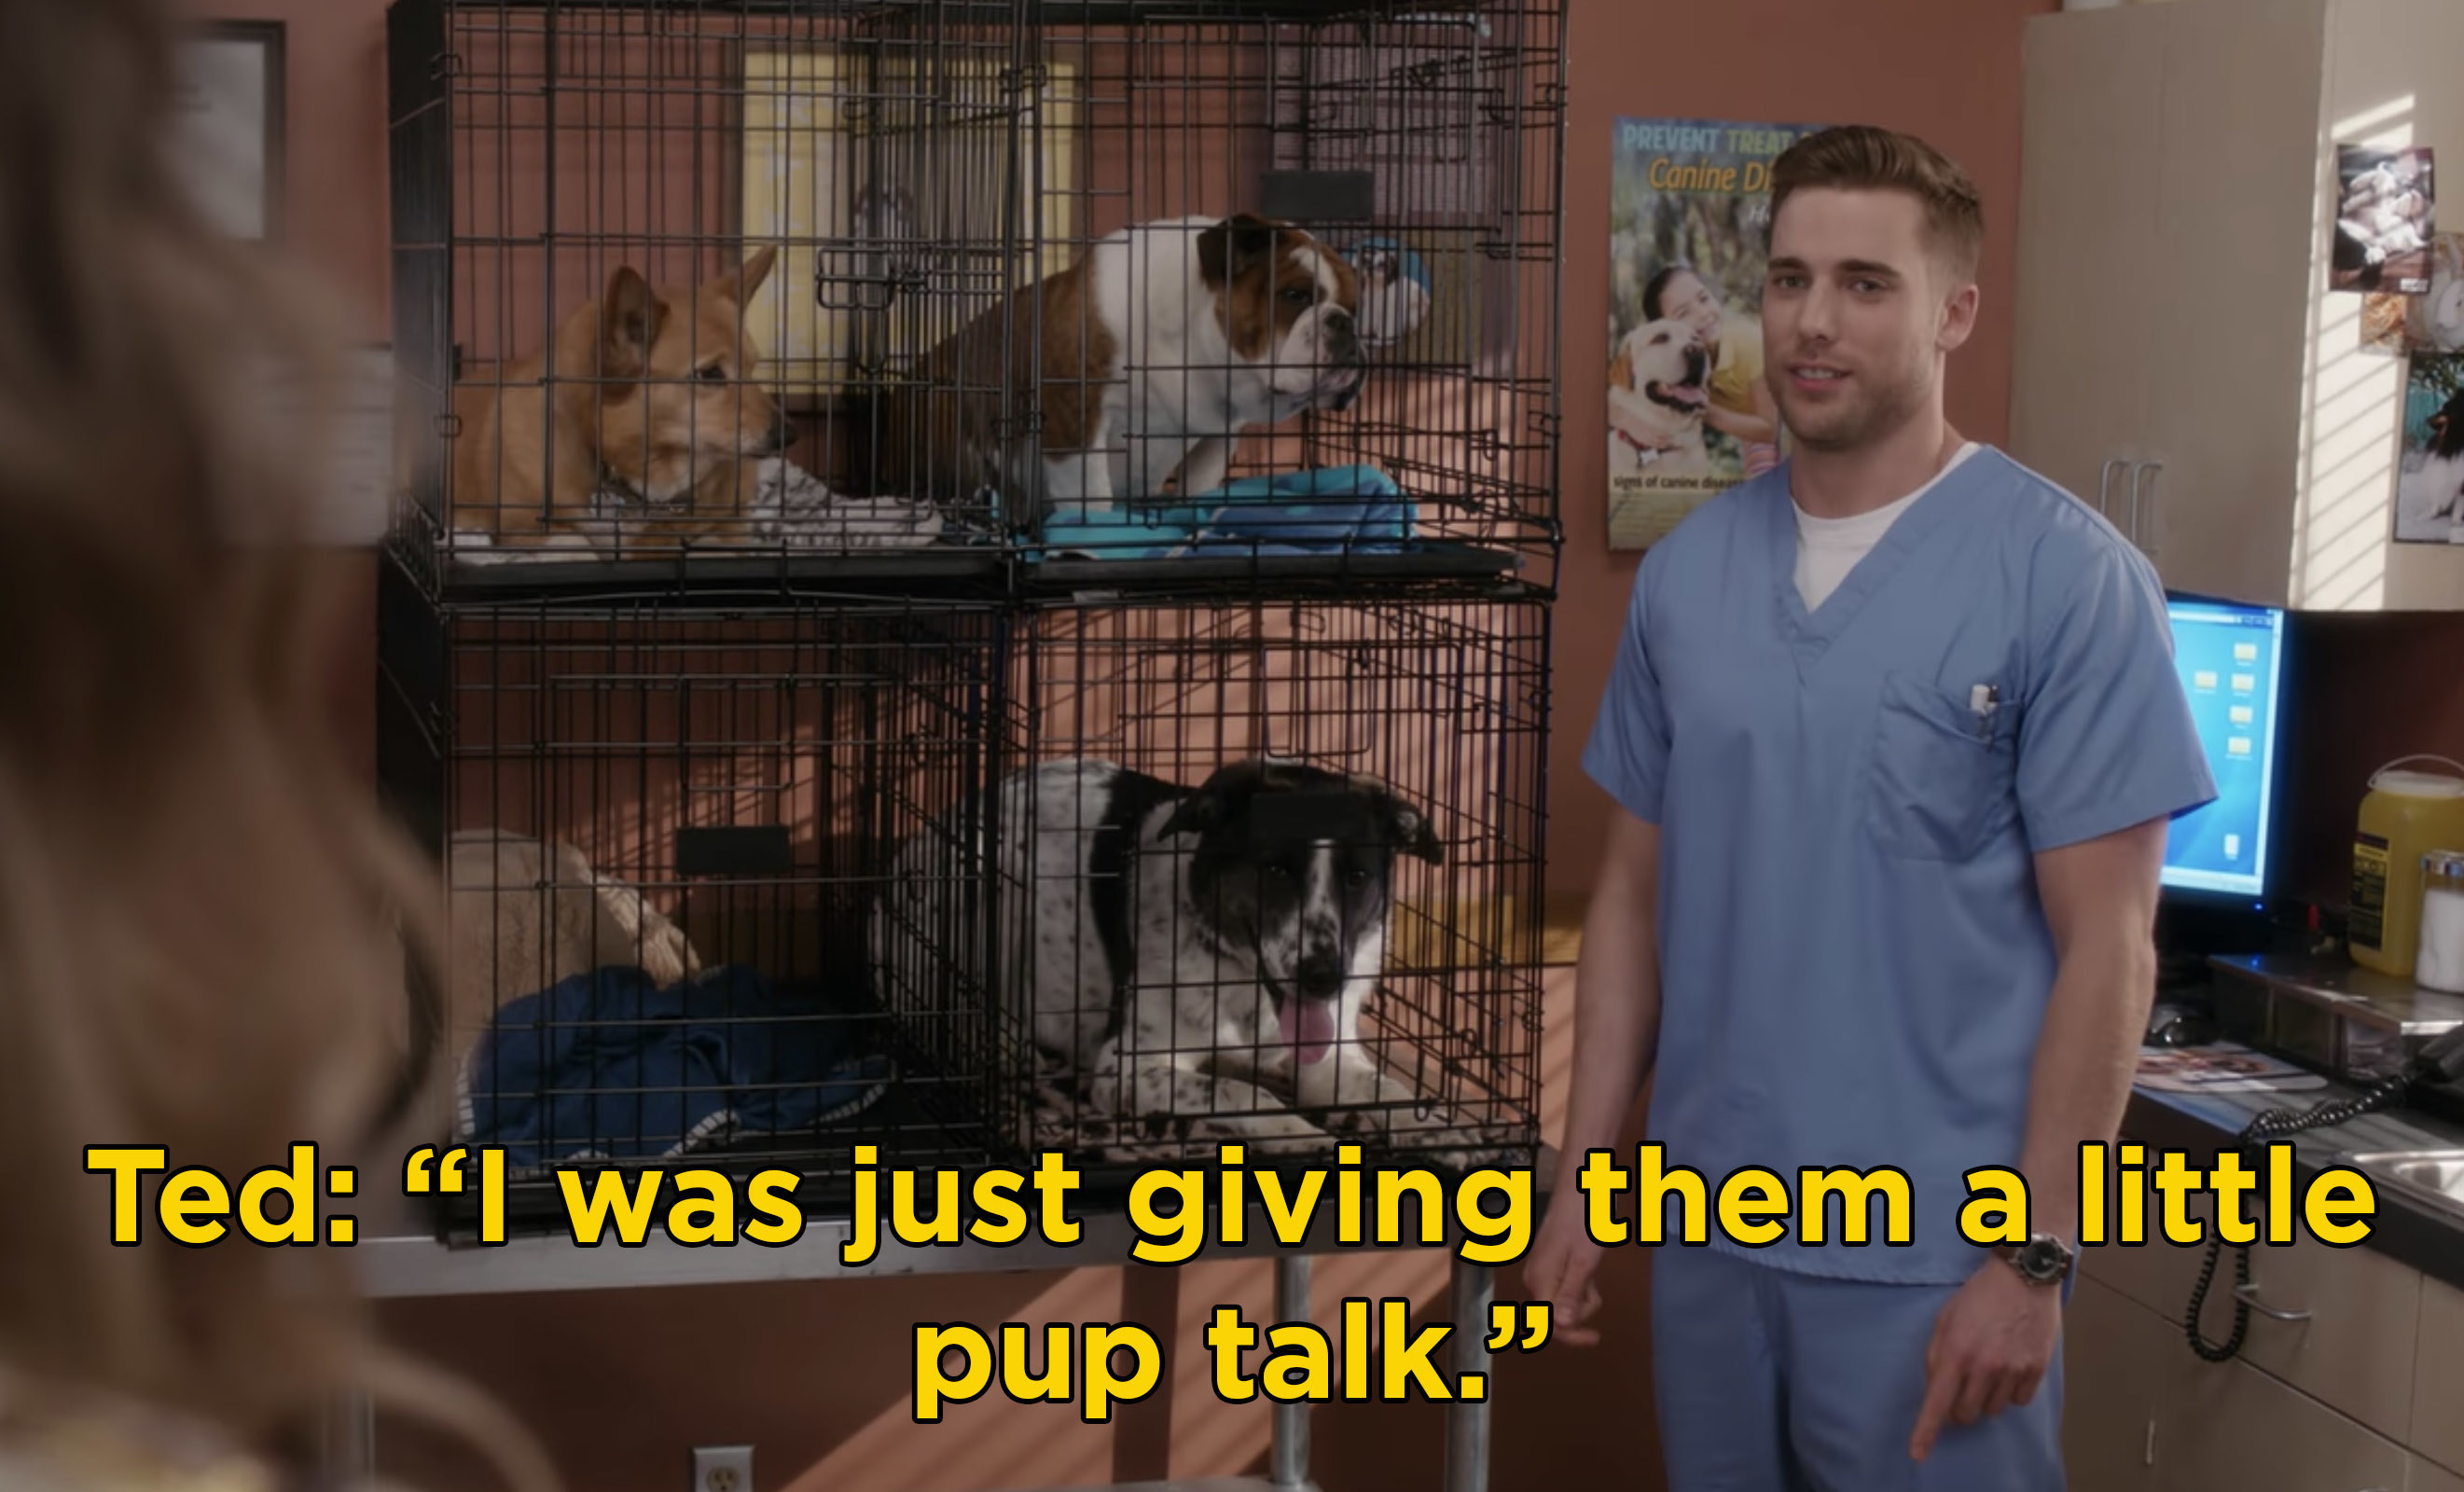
<point>1559,1270</point>
<point>1990,1349</point>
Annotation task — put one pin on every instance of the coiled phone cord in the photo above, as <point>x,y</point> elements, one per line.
<point>2274,1124</point>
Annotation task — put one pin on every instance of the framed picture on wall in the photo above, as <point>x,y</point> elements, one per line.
<point>230,143</point>
<point>2430,472</point>
<point>2386,213</point>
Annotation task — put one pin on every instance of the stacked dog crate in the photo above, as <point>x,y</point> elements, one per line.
<point>712,635</point>
<point>666,676</point>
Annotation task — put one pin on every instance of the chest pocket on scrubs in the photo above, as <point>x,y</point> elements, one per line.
<point>1942,780</point>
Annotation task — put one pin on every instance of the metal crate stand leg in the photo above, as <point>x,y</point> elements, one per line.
<point>1288,1468</point>
<point>1467,1419</point>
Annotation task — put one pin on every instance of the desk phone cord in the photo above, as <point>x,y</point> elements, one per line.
<point>2441,1060</point>
<point>2275,1123</point>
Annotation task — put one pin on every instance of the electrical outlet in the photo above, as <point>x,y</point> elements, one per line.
<point>722,1468</point>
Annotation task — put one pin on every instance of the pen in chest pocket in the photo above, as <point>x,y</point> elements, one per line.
<point>1984,699</point>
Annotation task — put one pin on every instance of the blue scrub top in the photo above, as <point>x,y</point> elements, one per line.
<point>1854,964</point>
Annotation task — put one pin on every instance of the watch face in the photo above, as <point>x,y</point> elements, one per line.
<point>2041,1257</point>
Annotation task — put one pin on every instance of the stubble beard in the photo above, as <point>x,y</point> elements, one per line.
<point>1855,423</point>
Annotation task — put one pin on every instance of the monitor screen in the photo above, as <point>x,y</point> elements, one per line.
<point>2231,659</point>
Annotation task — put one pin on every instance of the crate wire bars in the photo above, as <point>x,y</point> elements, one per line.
<point>1418,143</point>
<point>1433,711</point>
<point>661,826</point>
<point>710,643</point>
<point>738,288</point>
<point>659,266</point>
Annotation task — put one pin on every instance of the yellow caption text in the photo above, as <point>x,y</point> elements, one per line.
<point>1753,1205</point>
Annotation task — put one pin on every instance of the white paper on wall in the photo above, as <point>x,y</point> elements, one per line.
<point>218,146</point>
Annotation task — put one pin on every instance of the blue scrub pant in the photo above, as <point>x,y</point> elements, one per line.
<point>1774,1381</point>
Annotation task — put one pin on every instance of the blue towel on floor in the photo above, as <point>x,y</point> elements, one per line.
<point>1326,510</point>
<point>608,1065</point>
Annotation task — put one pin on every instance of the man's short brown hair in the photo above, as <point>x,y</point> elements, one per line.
<point>1864,157</point>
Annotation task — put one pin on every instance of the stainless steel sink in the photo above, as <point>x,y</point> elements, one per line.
<point>2431,1177</point>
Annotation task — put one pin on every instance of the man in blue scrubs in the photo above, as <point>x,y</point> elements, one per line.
<point>1893,736</point>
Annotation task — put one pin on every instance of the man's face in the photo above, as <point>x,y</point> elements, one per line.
<point>1856,314</point>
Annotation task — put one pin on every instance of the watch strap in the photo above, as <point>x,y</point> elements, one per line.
<point>2023,1259</point>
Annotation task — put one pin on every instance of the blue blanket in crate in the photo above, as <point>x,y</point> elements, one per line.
<point>1326,510</point>
<point>608,1065</point>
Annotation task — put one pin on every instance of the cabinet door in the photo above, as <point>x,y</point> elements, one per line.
<point>2438,1376</point>
<point>2426,1476</point>
<point>2114,1355</point>
<point>2155,1272</point>
<point>2233,160</point>
<point>2087,291</point>
<point>2354,1349</point>
<point>2232,1428</point>
<point>2360,1310</point>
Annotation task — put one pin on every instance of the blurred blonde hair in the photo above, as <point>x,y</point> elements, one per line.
<point>198,896</point>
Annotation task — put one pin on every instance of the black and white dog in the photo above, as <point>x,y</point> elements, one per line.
<point>1197,958</point>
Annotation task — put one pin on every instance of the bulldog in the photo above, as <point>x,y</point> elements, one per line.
<point>1151,353</point>
<point>1655,400</point>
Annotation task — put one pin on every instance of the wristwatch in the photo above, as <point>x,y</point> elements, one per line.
<point>2043,1260</point>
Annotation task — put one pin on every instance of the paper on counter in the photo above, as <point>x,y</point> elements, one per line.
<point>2221,1068</point>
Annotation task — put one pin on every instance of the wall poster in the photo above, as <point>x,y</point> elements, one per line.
<point>2386,213</point>
<point>2430,475</point>
<point>1688,413</point>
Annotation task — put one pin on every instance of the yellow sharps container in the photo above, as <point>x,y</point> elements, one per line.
<point>2405,815</point>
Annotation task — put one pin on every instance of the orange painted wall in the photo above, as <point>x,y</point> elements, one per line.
<point>621,1384</point>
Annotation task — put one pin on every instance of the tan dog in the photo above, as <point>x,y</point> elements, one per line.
<point>652,399</point>
<point>526,914</point>
<point>1655,400</point>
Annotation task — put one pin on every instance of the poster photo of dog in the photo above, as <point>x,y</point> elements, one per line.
<point>2429,477</point>
<point>2385,217</point>
<point>2393,324</point>
<point>1688,413</point>
<point>2434,322</point>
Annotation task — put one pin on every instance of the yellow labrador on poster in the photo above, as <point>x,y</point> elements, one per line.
<point>1657,396</point>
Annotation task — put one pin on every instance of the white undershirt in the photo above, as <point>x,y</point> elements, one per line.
<point>1827,549</point>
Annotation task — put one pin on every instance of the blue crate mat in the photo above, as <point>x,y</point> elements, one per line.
<point>1330,510</point>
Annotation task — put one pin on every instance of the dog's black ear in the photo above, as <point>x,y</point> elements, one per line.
<point>1407,828</point>
<point>630,324</point>
<point>1199,812</point>
<point>1223,797</point>
<point>1228,249</point>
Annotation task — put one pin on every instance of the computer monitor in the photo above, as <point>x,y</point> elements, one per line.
<point>2230,657</point>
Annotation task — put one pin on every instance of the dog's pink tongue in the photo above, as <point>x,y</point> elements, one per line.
<point>1312,1029</point>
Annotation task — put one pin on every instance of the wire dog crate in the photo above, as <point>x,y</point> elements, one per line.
<point>1230,823</point>
<point>899,291</point>
<point>661,267</point>
<point>821,421</point>
<point>661,828</point>
<point>1367,391</point>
